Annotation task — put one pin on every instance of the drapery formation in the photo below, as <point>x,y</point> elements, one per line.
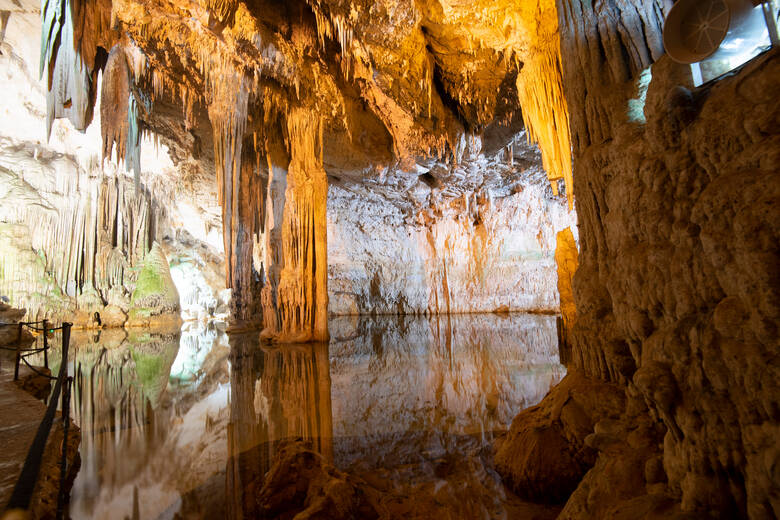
<point>295,303</point>
<point>91,233</point>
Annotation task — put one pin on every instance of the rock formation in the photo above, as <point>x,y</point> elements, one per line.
<point>284,93</point>
<point>155,300</point>
<point>676,291</point>
<point>260,115</point>
<point>367,157</point>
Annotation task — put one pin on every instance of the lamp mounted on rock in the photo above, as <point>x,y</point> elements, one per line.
<point>717,36</point>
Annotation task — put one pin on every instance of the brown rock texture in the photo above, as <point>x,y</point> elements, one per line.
<point>566,260</point>
<point>277,93</point>
<point>545,455</point>
<point>677,287</point>
<point>302,484</point>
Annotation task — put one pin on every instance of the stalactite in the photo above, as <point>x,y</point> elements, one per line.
<point>70,82</point>
<point>545,113</point>
<point>85,249</point>
<point>273,259</point>
<point>114,101</point>
<point>120,106</point>
<point>239,190</point>
<point>91,28</point>
<point>335,27</point>
<point>222,9</point>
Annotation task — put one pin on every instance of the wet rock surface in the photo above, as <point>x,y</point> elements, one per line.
<point>550,446</point>
<point>480,239</point>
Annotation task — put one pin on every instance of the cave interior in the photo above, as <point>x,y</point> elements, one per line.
<point>396,258</point>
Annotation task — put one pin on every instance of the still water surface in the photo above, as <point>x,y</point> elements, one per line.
<point>177,425</point>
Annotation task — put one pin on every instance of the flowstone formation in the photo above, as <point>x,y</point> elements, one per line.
<point>276,94</point>
<point>155,299</point>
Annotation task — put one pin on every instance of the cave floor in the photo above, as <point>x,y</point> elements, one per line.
<point>20,415</point>
<point>186,425</point>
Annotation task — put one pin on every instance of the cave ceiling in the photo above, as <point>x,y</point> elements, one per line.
<point>394,83</point>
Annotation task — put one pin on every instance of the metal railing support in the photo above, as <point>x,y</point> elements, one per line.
<point>45,344</point>
<point>65,420</point>
<point>18,352</point>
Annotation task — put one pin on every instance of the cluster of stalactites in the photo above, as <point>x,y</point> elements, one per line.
<point>546,115</point>
<point>70,33</point>
<point>119,112</point>
<point>70,82</point>
<point>334,27</point>
<point>87,244</point>
<point>228,114</point>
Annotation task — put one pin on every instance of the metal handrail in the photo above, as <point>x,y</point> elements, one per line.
<point>23,490</point>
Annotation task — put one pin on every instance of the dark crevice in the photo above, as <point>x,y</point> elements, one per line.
<point>430,180</point>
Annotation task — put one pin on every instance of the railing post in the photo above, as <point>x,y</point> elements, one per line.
<point>25,485</point>
<point>45,343</point>
<point>65,414</point>
<point>18,352</point>
<point>64,460</point>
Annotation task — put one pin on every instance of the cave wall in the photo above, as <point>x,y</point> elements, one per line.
<point>677,288</point>
<point>475,250</point>
<point>75,231</point>
<point>70,243</point>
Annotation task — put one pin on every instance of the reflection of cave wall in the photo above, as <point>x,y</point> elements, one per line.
<point>119,382</point>
<point>677,289</point>
<point>404,385</point>
<point>152,425</point>
<point>277,394</point>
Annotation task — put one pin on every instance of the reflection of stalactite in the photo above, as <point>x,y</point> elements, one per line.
<point>302,297</point>
<point>276,394</point>
<point>116,396</point>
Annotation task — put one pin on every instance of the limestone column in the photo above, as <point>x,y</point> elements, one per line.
<point>301,299</point>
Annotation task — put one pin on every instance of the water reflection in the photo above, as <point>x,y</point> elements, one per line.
<point>185,425</point>
<point>118,385</point>
<point>277,393</point>
<point>404,387</point>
